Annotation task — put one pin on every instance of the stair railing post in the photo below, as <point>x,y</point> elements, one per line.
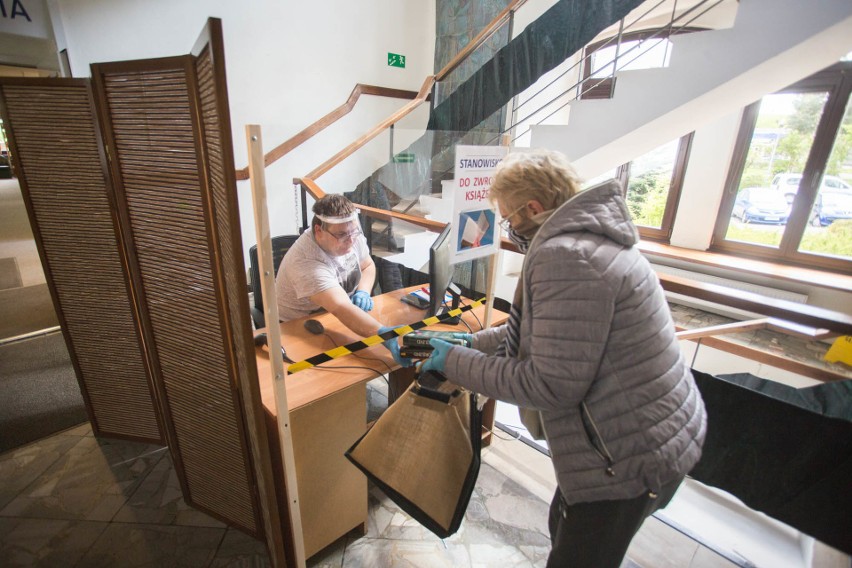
<point>669,35</point>
<point>615,58</point>
<point>304,207</point>
<point>509,123</point>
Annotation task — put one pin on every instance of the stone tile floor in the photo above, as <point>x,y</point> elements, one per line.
<point>74,500</point>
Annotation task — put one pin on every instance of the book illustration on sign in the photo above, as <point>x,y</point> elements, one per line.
<point>476,229</point>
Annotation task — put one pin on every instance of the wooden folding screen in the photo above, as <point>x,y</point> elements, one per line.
<point>59,160</point>
<point>209,61</point>
<point>167,142</point>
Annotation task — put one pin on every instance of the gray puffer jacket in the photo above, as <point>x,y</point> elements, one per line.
<point>598,357</point>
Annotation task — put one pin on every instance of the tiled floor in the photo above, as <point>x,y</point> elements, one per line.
<point>74,500</point>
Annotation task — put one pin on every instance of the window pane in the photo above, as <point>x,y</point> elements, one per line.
<point>780,145</point>
<point>633,54</point>
<point>648,186</point>
<point>830,233</point>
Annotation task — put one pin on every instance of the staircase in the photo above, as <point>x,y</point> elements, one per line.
<point>772,44</point>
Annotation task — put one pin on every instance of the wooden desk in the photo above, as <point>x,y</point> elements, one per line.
<point>328,413</point>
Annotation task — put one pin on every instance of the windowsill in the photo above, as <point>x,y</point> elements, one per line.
<point>793,274</point>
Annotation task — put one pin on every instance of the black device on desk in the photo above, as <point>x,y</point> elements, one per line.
<point>414,300</point>
<point>314,326</point>
<point>440,276</point>
<point>261,340</point>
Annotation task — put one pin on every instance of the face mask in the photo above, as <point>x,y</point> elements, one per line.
<point>522,234</point>
<point>522,242</point>
<point>530,225</point>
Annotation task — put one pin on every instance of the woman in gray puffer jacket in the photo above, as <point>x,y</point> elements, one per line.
<point>590,345</point>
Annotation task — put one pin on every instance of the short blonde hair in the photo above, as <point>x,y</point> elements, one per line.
<point>544,175</point>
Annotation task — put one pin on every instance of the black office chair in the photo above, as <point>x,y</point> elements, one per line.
<point>280,246</point>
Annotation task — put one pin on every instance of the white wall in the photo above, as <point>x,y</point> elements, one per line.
<point>704,183</point>
<point>288,63</point>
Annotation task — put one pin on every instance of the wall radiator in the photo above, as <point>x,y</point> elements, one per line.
<point>720,309</point>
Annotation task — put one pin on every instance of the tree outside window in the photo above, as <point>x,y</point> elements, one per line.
<point>652,187</point>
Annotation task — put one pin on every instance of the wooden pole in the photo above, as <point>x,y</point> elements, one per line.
<point>491,284</point>
<point>257,176</point>
<point>494,261</point>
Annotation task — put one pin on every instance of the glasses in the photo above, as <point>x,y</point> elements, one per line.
<point>504,222</point>
<point>344,236</point>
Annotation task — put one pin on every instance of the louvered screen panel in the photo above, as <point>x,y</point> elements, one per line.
<point>212,90</point>
<point>149,114</point>
<point>52,130</point>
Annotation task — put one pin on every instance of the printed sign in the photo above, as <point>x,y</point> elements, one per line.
<point>474,232</point>
<point>25,18</point>
<point>404,158</point>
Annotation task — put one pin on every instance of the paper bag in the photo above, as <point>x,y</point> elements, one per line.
<point>424,454</point>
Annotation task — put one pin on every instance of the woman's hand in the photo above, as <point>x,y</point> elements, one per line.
<point>438,358</point>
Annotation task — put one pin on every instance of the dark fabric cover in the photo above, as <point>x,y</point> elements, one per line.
<point>783,451</point>
<point>556,35</point>
<point>829,399</point>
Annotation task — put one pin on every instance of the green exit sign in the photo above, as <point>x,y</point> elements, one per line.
<point>396,60</point>
<point>404,158</point>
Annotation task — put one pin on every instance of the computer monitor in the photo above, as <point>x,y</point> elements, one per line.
<point>440,275</point>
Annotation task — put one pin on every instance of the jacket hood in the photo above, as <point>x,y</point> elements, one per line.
<point>599,209</point>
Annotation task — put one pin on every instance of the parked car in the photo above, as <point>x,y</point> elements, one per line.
<point>831,206</point>
<point>761,204</point>
<point>788,184</point>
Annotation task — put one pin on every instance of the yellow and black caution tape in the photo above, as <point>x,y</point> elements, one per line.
<point>379,338</point>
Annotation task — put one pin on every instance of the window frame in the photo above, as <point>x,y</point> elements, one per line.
<point>604,88</point>
<point>664,232</point>
<point>836,81</point>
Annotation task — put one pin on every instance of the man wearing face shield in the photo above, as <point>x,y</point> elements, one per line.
<point>329,268</point>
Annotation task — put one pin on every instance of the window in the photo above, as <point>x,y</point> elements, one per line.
<point>788,196</point>
<point>645,49</point>
<point>652,186</point>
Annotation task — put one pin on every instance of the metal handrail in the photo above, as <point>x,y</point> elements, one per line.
<point>662,33</point>
<point>497,23</point>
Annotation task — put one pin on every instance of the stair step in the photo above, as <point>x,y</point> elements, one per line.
<point>711,74</point>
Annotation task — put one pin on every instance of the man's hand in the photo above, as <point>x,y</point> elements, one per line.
<point>393,346</point>
<point>363,300</point>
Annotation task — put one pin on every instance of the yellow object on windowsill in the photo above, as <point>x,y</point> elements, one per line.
<point>840,351</point>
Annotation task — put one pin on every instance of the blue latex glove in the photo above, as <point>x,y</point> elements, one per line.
<point>438,359</point>
<point>363,300</point>
<point>468,338</point>
<point>393,346</point>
